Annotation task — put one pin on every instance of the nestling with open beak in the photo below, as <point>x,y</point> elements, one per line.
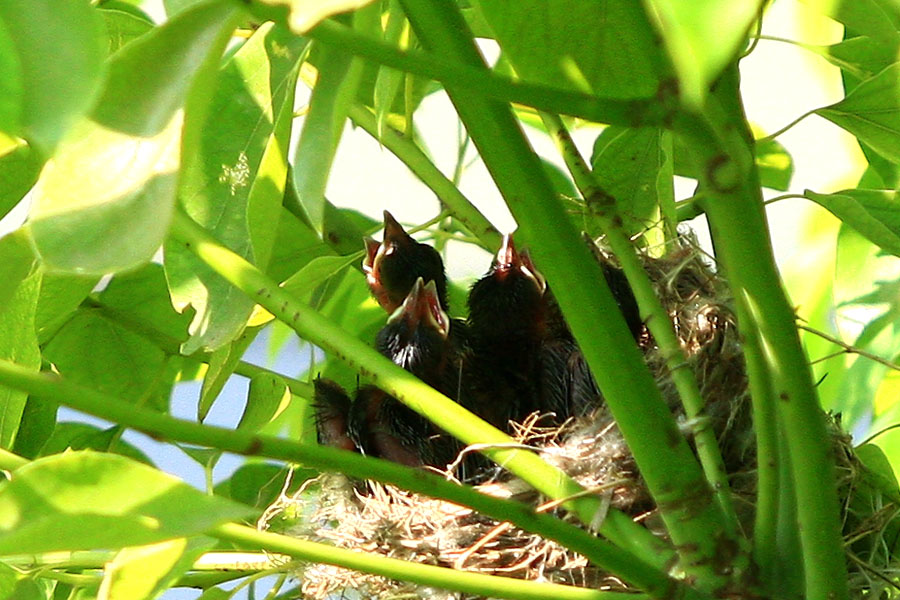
<point>393,265</point>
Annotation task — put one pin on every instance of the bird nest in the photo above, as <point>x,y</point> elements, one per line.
<point>382,519</point>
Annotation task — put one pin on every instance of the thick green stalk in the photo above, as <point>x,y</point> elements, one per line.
<point>161,426</point>
<point>723,143</point>
<point>393,568</point>
<point>631,113</point>
<point>653,314</point>
<point>441,577</point>
<point>447,414</point>
<point>666,461</point>
<point>450,196</point>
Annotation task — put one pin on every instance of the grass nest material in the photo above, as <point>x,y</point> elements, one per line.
<point>383,519</point>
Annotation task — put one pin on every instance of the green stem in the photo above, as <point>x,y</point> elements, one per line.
<point>402,385</point>
<point>654,315</point>
<point>427,575</point>
<point>765,424</point>
<point>440,577</point>
<point>663,456</point>
<point>631,113</point>
<point>772,136</point>
<point>723,142</point>
<point>450,196</point>
<point>45,385</point>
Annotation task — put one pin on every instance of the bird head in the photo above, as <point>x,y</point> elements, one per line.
<point>422,308</point>
<point>392,266</point>
<point>509,261</point>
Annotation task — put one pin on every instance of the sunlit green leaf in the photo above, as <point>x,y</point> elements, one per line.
<point>874,18</point>
<point>104,201</point>
<point>18,343</point>
<point>51,62</point>
<point>19,169</point>
<point>303,283</point>
<point>873,213</point>
<point>388,81</point>
<point>236,183</point>
<point>702,37</point>
<point>268,396</point>
<point>86,500</point>
<point>602,46</point>
<point>143,572</point>
<point>338,81</point>
<point>871,112</point>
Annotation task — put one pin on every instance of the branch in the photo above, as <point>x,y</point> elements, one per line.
<point>161,426</point>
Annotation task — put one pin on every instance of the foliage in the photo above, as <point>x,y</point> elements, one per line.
<point>132,136</point>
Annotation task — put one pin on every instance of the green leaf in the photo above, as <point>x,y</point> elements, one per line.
<point>268,396</point>
<point>702,38</point>
<point>10,84</point>
<point>874,18</point>
<point>259,484</point>
<point>873,213</point>
<point>8,577</point>
<point>87,500</point>
<point>20,165</point>
<point>17,261</point>
<point>61,294</point>
<point>871,112</point>
<point>17,344</point>
<point>144,572</point>
<point>236,185</point>
<point>95,350</point>
<point>773,162</point>
<point>82,436</point>
<point>862,56</point>
<point>303,15</point>
<point>347,301</point>
<point>36,427</point>
<point>123,27</point>
<point>861,380</point>
<point>878,469</point>
<point>388,80</point>
<point>141,300</point>
<point>631,165</point>
<point>104,202</point>
<point>323,124</point>
<point>221,365</point>
<point>215,593</point>
<point>304,282</point>
<point>295,245</point>
<point>52,55</point>
<point>606,47</point>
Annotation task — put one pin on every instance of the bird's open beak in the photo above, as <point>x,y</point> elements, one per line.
<point>508,259</point>
<point>423,306</point>
<point>372,246</point>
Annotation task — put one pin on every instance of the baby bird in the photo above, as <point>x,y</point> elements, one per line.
<point>393,265</point>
